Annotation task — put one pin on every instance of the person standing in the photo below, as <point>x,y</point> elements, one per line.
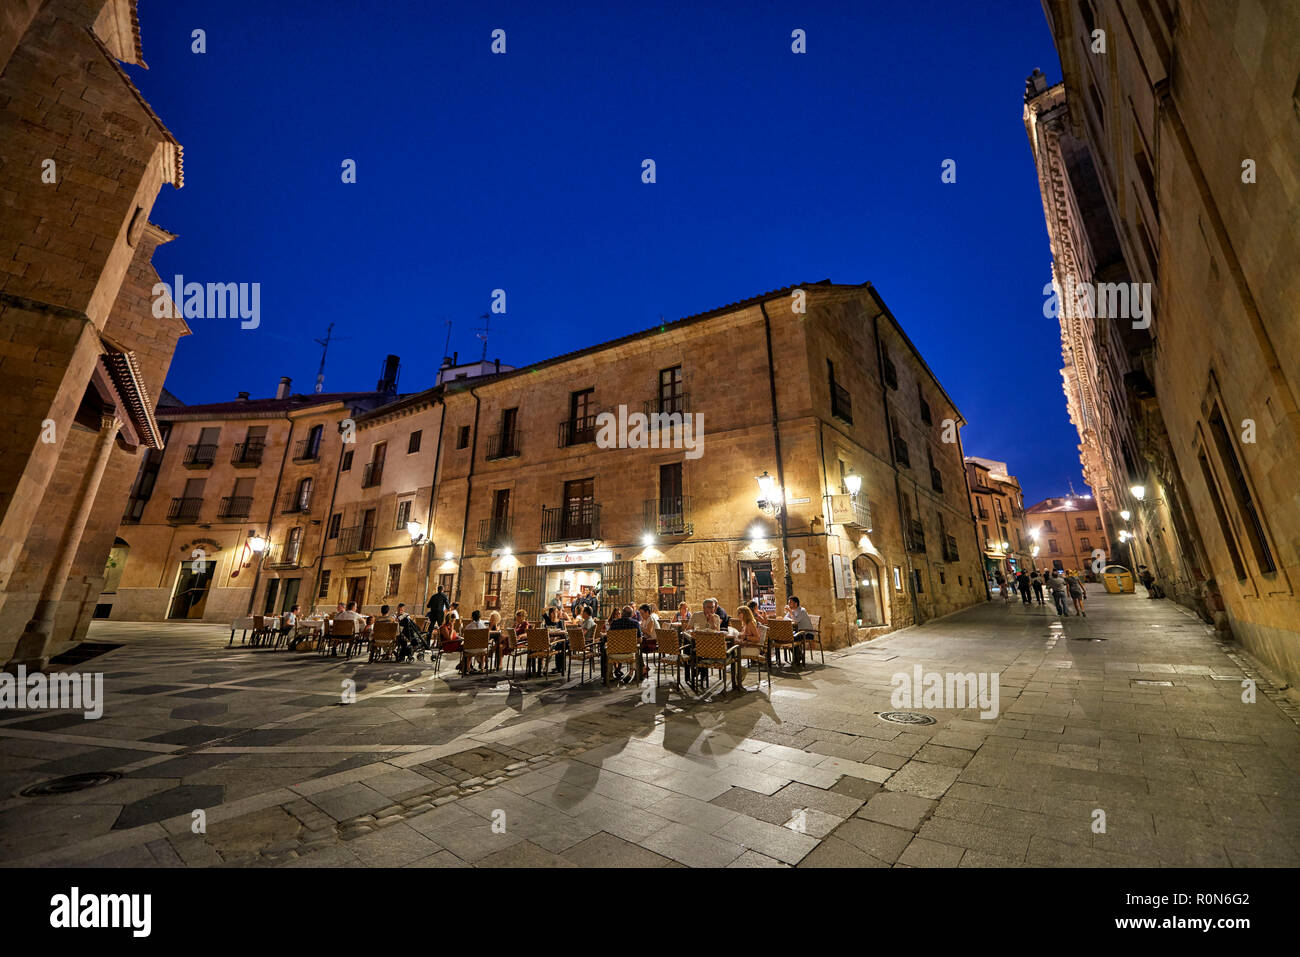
<point>438,607</point>
<point>1022,582</point>
<point>1036,581</point>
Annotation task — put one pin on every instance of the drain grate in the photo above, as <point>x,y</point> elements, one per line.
<point>905,717</point>
<point>69,784</point>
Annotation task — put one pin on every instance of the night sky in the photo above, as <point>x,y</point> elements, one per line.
<point>523,172</point>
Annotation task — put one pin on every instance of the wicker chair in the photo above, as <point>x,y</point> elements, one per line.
<point>383,640</point>
<point>780,637</point>
<point>540,649</point>
<point>513,647</point>
<point>260,630</point>
<point>475,643</point>
<point>711,651</point>
<point>343,631</point>
<point>669,651</point>
<point>581,650</point>
<point>756,653</point>
<point>622,645</point>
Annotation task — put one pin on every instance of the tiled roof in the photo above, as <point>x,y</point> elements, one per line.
<point>259,407</point>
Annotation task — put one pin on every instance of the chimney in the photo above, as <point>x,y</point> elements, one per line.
<point>498,362</point>
<point>283,391</point>
<point>242,397</point>
<point>387,383</point>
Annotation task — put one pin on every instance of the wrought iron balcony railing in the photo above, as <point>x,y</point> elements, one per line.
<point>495,532</point>
<point>247,455</point>
<point>235,506</point>
<point>184,510</point>
<point>503,445</point>
<point>199,456</point>
<point>915,536</point>
<point>286,555</point>
<point>295,501</point>
<point>669,515</point>
<point>570,523</point>
<point>578,431</point>
<point>355,538</point>
<point>306,451</point>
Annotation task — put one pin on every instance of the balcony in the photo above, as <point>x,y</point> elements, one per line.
<point>235,506</point>
<point>571,523</point>
<point>915,535</point>
<point>669,515</point>
<point>950,550</point>
<point>983,512</point>
<point>247,455</point>
<point>184,511</point>
<point>503,445</point>
<point>199,456</point>
<point>577,431</point>
<point>372,474</point>
<point>936,479</point>
<point>860,513</point>
<point>901,453</point>
<point>294,502</point>
<point>356,538</point>
<point>667,405</point>
<point>284,556</point>
<point>306,451</point>
<point>841,403</point>
<point>495,532</point>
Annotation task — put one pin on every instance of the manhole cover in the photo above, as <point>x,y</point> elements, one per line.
<point>905,717</point>
<point>73,782</point>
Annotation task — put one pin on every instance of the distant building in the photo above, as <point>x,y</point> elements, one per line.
<point>1070,536</point>
<point>999,509</point>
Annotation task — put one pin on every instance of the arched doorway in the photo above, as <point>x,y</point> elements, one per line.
<point>867,591</point>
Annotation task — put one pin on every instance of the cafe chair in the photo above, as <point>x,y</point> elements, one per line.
<point>668,652</point>
<point>711,651</point>
<point>814,637</point>
<point>541,649</point>
<point>780,637</point>
<point>343,631</point>
<point>475,643</point>
<point>383,640</point>
<point>757,654</point>
<point>583,651</point>
<point>621,647</point>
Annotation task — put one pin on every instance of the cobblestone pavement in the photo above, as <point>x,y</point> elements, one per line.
<point>1135,711</point>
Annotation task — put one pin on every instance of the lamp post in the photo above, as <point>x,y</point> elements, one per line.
<point>258,545</point>
<point>771,500</point>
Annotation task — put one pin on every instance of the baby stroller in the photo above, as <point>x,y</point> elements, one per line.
<point>411,642</point>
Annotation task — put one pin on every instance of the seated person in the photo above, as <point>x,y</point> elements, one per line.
<point>683,614</point>
<point>627,619</point>
<point>803,625</point>
<point>649,623</point>
<point>760,616</point>
<point>476,622</point>
<point>709,619</point>
<point>288,623</point>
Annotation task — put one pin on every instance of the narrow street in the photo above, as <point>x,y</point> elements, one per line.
<point>1135,712</point>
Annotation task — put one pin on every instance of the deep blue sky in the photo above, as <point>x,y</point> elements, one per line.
<point>523,171</point>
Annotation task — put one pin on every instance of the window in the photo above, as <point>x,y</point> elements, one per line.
<point>1085,543</point>
<point>446,582</point>
<point>1048,526</point>
<point>462,437</point>
<point>916,580</point>
<point>671,397</point>
<point>891,374</point>
<point>672,585</point>
<point>324,584</point>
<point>1237,564</point>
<point>898,578</point>
<point>335,520</point>
<point>841,401</point>
<point>403,513</point>
<point>1051,546</point>
<point>986,534</point>
<point>492,591</point>
<point>926,417</point>
<point>394,581</point>
<point>1081,524</point>
<point>1240,491</point>
<point>302,502</point>
<point>413,443</point>
<point>1099,524</point>
<point>347,461</point>
<point>581,424</point>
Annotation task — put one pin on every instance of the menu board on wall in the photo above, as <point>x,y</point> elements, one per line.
<point>837,573</point>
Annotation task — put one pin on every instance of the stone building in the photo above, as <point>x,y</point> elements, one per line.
<point>1169,161</point>
<point>83,356</point>
<point>535,492</point>
<point>234,475</point>
<point>998,505</point>
<point>1067,531</point>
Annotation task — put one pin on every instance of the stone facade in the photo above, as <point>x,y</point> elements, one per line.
<point>496,487</point>
<point>1188,124</point>
<point>1068,530</point>
<point>82,354</point>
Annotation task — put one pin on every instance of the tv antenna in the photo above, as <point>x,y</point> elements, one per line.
<point>325,348</point>
<point>487,322</point>
<point>446,349</point>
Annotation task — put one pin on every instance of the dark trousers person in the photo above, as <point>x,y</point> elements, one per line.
<point>1024,593</point>
<point>1038,592</point>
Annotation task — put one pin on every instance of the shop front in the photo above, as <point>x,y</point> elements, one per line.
<point>565,577</point>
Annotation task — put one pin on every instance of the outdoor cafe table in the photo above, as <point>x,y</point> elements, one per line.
<point>245,625</point>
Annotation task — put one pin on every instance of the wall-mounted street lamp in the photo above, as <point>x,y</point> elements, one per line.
<point>1125,514</point>
<point>416,531</point>
<point>1139,492</point>
<point>853,482</point>
<point>770,497</point>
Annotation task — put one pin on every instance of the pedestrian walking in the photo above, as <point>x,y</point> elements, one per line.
<point>1077,592</point>
<point>1036,580</point>
<point>1022,582</point>
<point>1003,590</point>
<point>1057,586</point>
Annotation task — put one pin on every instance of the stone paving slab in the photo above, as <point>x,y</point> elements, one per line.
<point>435,771</point>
